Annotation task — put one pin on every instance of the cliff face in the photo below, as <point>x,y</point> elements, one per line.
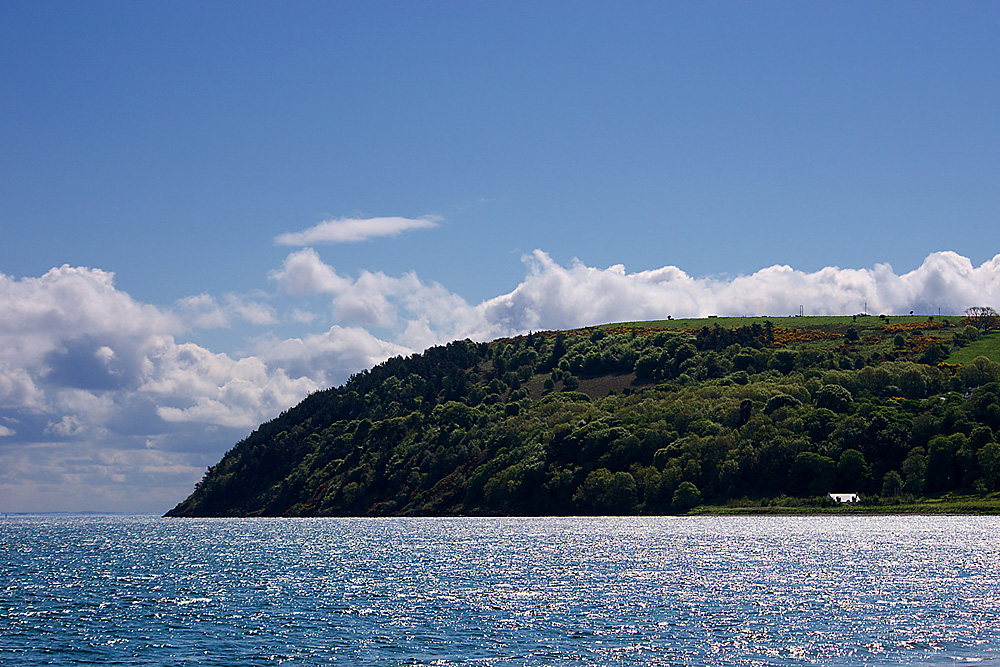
<point>626,419</point>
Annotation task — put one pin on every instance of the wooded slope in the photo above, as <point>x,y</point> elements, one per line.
<point>639,418</point>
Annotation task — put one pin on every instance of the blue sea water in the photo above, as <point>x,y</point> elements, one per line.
<point>141,590</point>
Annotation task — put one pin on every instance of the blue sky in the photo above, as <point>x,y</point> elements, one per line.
<point>210,209</point>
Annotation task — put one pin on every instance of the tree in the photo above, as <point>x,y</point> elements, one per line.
<point>982,317</point>
<point>779,401</point>
<point>892,484</point>
<point>607,493</point>
<point>686,497</point>
<point>915,471</point>
<point>852,470</point>
<point>989,461</point>
<point>783,361</point>
<point>980,436</point>
<point>814,473</point>
<point>833,397</point>
<point>933,354</point>
<point>942,462</point>
<point>981,371</point>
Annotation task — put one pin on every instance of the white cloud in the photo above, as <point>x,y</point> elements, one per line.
<point>302,316</point>
<point>375,299</point>
<point>303,272</point>
<point>67,427</point>
<point>79,353</point>
<point>203,311</point>
<point>89,375</point>
<point>350,230</point>
<point>329,357</point>
<point>250,310</point>
<point>192,384</point>
<point>17,388</point>
<point>39,315</point>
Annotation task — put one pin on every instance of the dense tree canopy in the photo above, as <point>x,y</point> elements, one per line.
<point>626,419</point>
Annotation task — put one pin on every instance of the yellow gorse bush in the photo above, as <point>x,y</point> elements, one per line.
<point>784,336</point>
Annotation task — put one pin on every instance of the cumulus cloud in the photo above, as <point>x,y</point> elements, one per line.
<point>17,388</point>
<point>76,349</point>
<point>87,372</point>
<point>303,272</point>
<point>377,300</point>
<point>351,230</point>
<point>192,384</point>
<point>329,357</point>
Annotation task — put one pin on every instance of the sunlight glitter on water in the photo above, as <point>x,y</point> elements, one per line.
<point>703,591</point>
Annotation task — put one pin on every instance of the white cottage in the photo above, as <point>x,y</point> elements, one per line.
<point>844,497</point>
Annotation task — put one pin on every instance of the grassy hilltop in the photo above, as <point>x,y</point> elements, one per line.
<point>740,414</point>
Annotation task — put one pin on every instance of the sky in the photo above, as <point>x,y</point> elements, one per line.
<point>210,210</point>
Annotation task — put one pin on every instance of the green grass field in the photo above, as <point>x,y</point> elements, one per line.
<point>827,322</point>
<point>987,345</point>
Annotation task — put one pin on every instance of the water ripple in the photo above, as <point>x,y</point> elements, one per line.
<point>615,591</point>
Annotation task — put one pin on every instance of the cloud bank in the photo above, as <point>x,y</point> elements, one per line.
<point>553,296</point>
<point>91,378</point>
<point>106,404</point>
<point>352,230</point>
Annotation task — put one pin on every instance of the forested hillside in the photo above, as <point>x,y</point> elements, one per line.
<point>644,418</point>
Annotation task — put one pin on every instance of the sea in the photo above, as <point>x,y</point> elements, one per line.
<point>810,590</point>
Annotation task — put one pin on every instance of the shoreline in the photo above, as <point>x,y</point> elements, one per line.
<point>965,508</point>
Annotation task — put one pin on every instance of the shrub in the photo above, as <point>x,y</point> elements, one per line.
<point>686,497</point>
